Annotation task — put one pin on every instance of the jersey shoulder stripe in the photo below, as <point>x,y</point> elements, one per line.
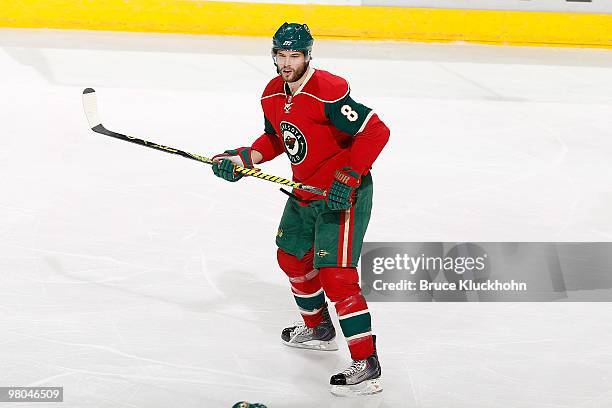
<point>326,87</point>
<point>275,87</point>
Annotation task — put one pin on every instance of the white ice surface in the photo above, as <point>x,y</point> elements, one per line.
<point>134,278</point>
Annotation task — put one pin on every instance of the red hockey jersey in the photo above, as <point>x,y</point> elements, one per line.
<point>320,128</point>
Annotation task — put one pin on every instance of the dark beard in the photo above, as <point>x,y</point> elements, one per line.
<point>299,74</point>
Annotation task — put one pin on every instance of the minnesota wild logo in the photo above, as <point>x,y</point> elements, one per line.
<point>295,142</point>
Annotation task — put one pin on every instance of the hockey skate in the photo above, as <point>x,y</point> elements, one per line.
<point>361,378</point>
<point>321,337</point>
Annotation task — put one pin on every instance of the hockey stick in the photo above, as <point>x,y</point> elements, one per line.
<point>90,104</point>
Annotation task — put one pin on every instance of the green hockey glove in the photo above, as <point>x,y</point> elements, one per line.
<point>341,194</point>
<point>225,163</point>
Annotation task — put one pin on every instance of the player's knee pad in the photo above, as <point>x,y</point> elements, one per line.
<point>292,266</point>
<point>340,283</point>
<point>302,275</point>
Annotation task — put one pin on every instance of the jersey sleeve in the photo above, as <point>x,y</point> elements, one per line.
<point>268,144</point>
<point>368,144</point>
<point>348,115</point>
<point>268,128</point>
<point>370,133</point>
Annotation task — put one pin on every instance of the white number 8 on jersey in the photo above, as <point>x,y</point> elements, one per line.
<point>350,114</point>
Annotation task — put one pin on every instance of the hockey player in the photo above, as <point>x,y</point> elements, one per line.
<point>331,141</point>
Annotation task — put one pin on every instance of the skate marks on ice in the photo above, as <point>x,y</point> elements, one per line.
<point>89,327</point>
<point>199,375</point>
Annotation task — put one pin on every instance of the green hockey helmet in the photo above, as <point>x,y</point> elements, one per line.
<point>294,37</point>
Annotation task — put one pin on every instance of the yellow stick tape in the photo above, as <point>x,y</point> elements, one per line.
<point>347,22</point>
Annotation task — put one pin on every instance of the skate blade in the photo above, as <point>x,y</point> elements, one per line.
<point>314,345</point>
<point>368,387</point>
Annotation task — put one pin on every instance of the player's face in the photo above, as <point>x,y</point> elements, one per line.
<point>291,64</point>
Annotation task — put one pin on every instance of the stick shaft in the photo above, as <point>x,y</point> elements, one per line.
<point>90,105</point>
